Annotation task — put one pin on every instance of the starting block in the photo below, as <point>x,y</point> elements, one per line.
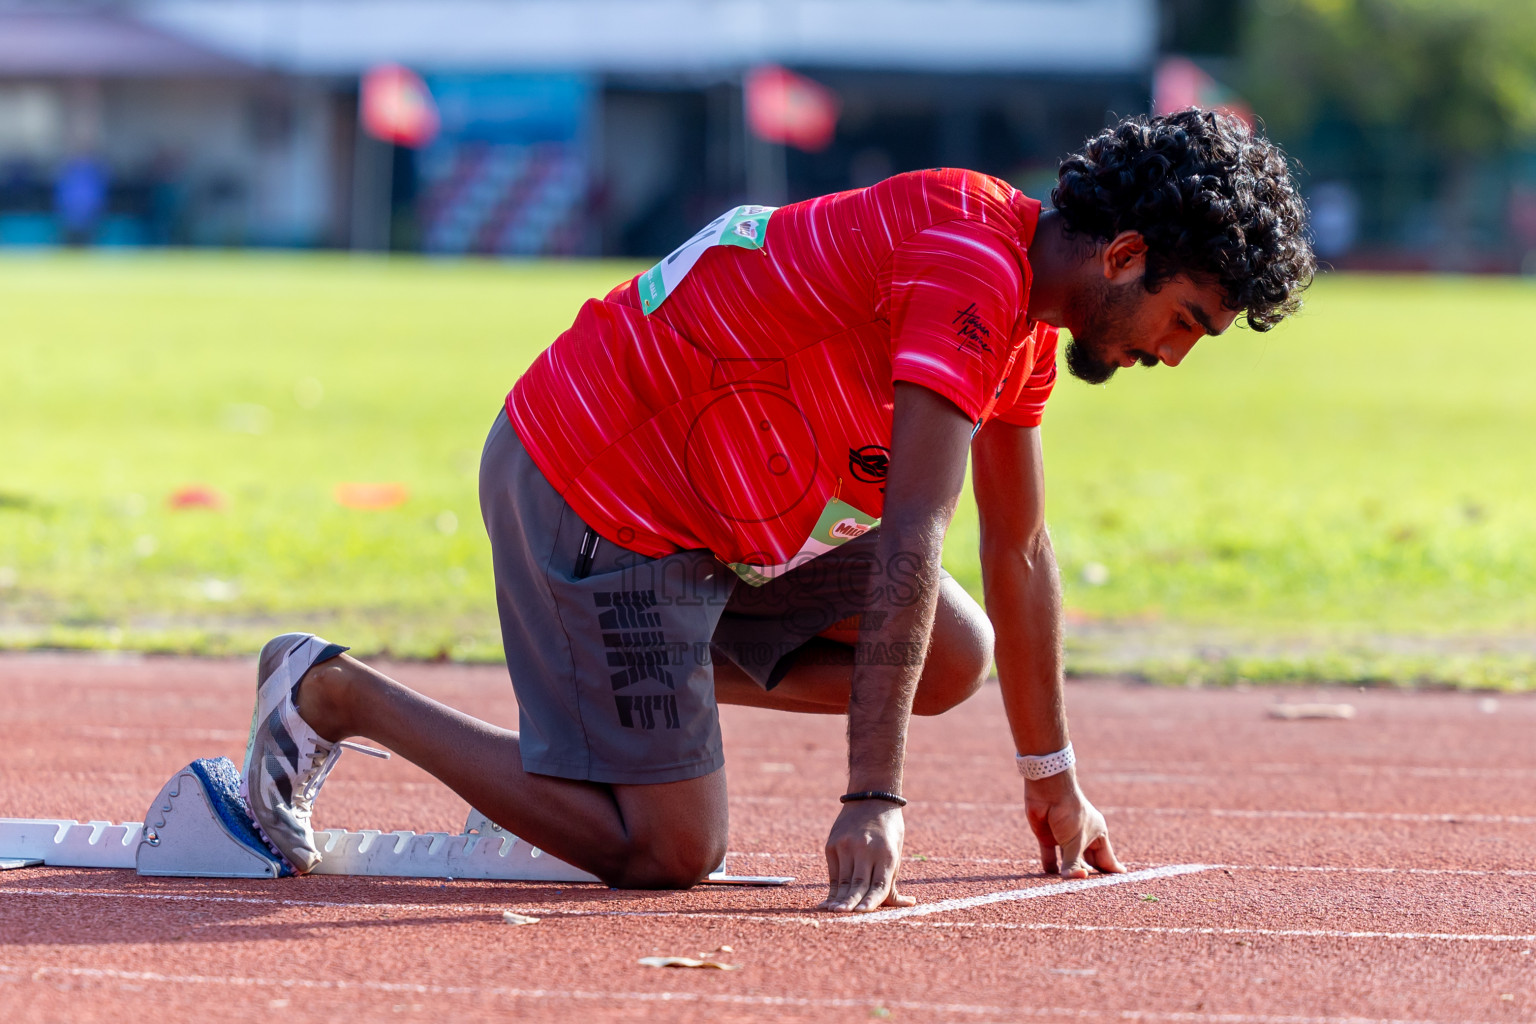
<point>198,827</point>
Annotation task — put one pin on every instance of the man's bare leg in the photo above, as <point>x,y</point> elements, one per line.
<point>959,658</point>
<point>668,835</point>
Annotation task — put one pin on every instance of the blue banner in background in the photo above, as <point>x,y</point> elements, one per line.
<point>514,109</point>
<point>509,174</point>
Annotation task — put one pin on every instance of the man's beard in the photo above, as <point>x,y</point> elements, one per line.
<point>1104,318</point>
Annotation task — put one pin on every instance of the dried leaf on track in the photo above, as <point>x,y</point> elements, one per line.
<point>508,917</point>
<point>686,961</point>
<point>1294,712</point>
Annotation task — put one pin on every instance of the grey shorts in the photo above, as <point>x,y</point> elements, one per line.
<point>612,655</point>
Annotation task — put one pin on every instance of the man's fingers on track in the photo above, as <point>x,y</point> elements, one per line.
<point>838,897</point>
<point>881,884</point>
<point>1072,864</point>
<point>834,878</point>
<point>1047,840</point>
<point>1102,856</point>
<point>845,876</point>
<point>860,886</point>
<point>896,899</point>
<point>850,892</point>
<point>1048,862</point>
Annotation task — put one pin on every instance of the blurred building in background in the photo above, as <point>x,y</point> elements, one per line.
<point>115,132</point>
<point>613,127</point>
<point>565,126</point>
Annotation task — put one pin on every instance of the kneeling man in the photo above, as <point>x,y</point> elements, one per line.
<point>730,480</point>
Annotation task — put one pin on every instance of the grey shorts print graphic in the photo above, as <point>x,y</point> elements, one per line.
<point>612,654</point>
<point>637,647</point>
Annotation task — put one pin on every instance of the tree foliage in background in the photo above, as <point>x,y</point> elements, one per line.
<point>1200,28</point>
<point>1459,74</point>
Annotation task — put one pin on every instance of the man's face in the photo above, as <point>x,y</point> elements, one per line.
<point>1118,323</point>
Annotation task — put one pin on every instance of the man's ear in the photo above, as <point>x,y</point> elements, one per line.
<point>1124,257</point>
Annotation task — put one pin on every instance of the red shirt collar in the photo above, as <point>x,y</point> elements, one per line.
<point>1028,212</point>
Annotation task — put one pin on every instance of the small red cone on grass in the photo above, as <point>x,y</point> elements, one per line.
<point>195,496</point>
<point>371,496</point>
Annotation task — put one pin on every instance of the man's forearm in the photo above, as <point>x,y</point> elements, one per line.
<point>888,659</point>
<point>1023,595</point>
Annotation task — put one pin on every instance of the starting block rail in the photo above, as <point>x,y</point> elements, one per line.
<point>197,827</point>
<point>81,844</point>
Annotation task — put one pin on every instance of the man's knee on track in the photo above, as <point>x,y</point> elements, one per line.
<point>656,865</point>
<point>951,676</point>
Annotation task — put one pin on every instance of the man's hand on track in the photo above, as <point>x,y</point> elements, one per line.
<point>1060,816</point>
<point>863,857</point>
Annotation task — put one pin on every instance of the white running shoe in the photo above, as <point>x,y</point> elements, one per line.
<point>286,761</point>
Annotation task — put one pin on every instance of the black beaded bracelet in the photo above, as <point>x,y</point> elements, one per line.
<point>874,794</point>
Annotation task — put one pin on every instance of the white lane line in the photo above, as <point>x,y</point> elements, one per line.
<point>1291,815</point>
<point>1132,771</point>
<point>814,920</point>
<point>1047,926</point>
<point>1017,808</point>
<point>1033,865</point>
<point>1210,770</point>
<point>1452,819</point>
<point>1034,892</point>
<point>1314,869</point>
<point>1302,933</point>
<point>267,901</point>
<point>412,988</point>
<point>136,978</point>
<point>921,909</point>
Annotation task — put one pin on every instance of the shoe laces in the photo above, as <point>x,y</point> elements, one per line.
<point>321,760</point>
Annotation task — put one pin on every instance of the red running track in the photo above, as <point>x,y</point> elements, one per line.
<point>1371,870</point>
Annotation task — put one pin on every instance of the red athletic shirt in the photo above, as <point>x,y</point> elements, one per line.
<point>757,396</point>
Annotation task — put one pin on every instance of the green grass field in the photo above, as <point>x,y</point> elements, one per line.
<point>1349,497</point>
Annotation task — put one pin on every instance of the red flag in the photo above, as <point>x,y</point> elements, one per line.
<point>789,108</point>
<point>1180,83</point>
<point>397,107</point>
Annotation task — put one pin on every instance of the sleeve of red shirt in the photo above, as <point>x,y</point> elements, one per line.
<point>956,292</point>
<point>1029,407</point>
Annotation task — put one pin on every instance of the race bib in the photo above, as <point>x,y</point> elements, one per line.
<point>745,226</point>
<point>840,523</point>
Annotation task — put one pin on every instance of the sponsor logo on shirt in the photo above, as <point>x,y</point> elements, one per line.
<point>847,529</point>
<point>870,463</point>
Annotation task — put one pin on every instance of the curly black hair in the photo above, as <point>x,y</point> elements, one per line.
<point>1213,199</point>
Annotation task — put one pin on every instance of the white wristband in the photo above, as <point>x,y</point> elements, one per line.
<point>1045,765</point>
